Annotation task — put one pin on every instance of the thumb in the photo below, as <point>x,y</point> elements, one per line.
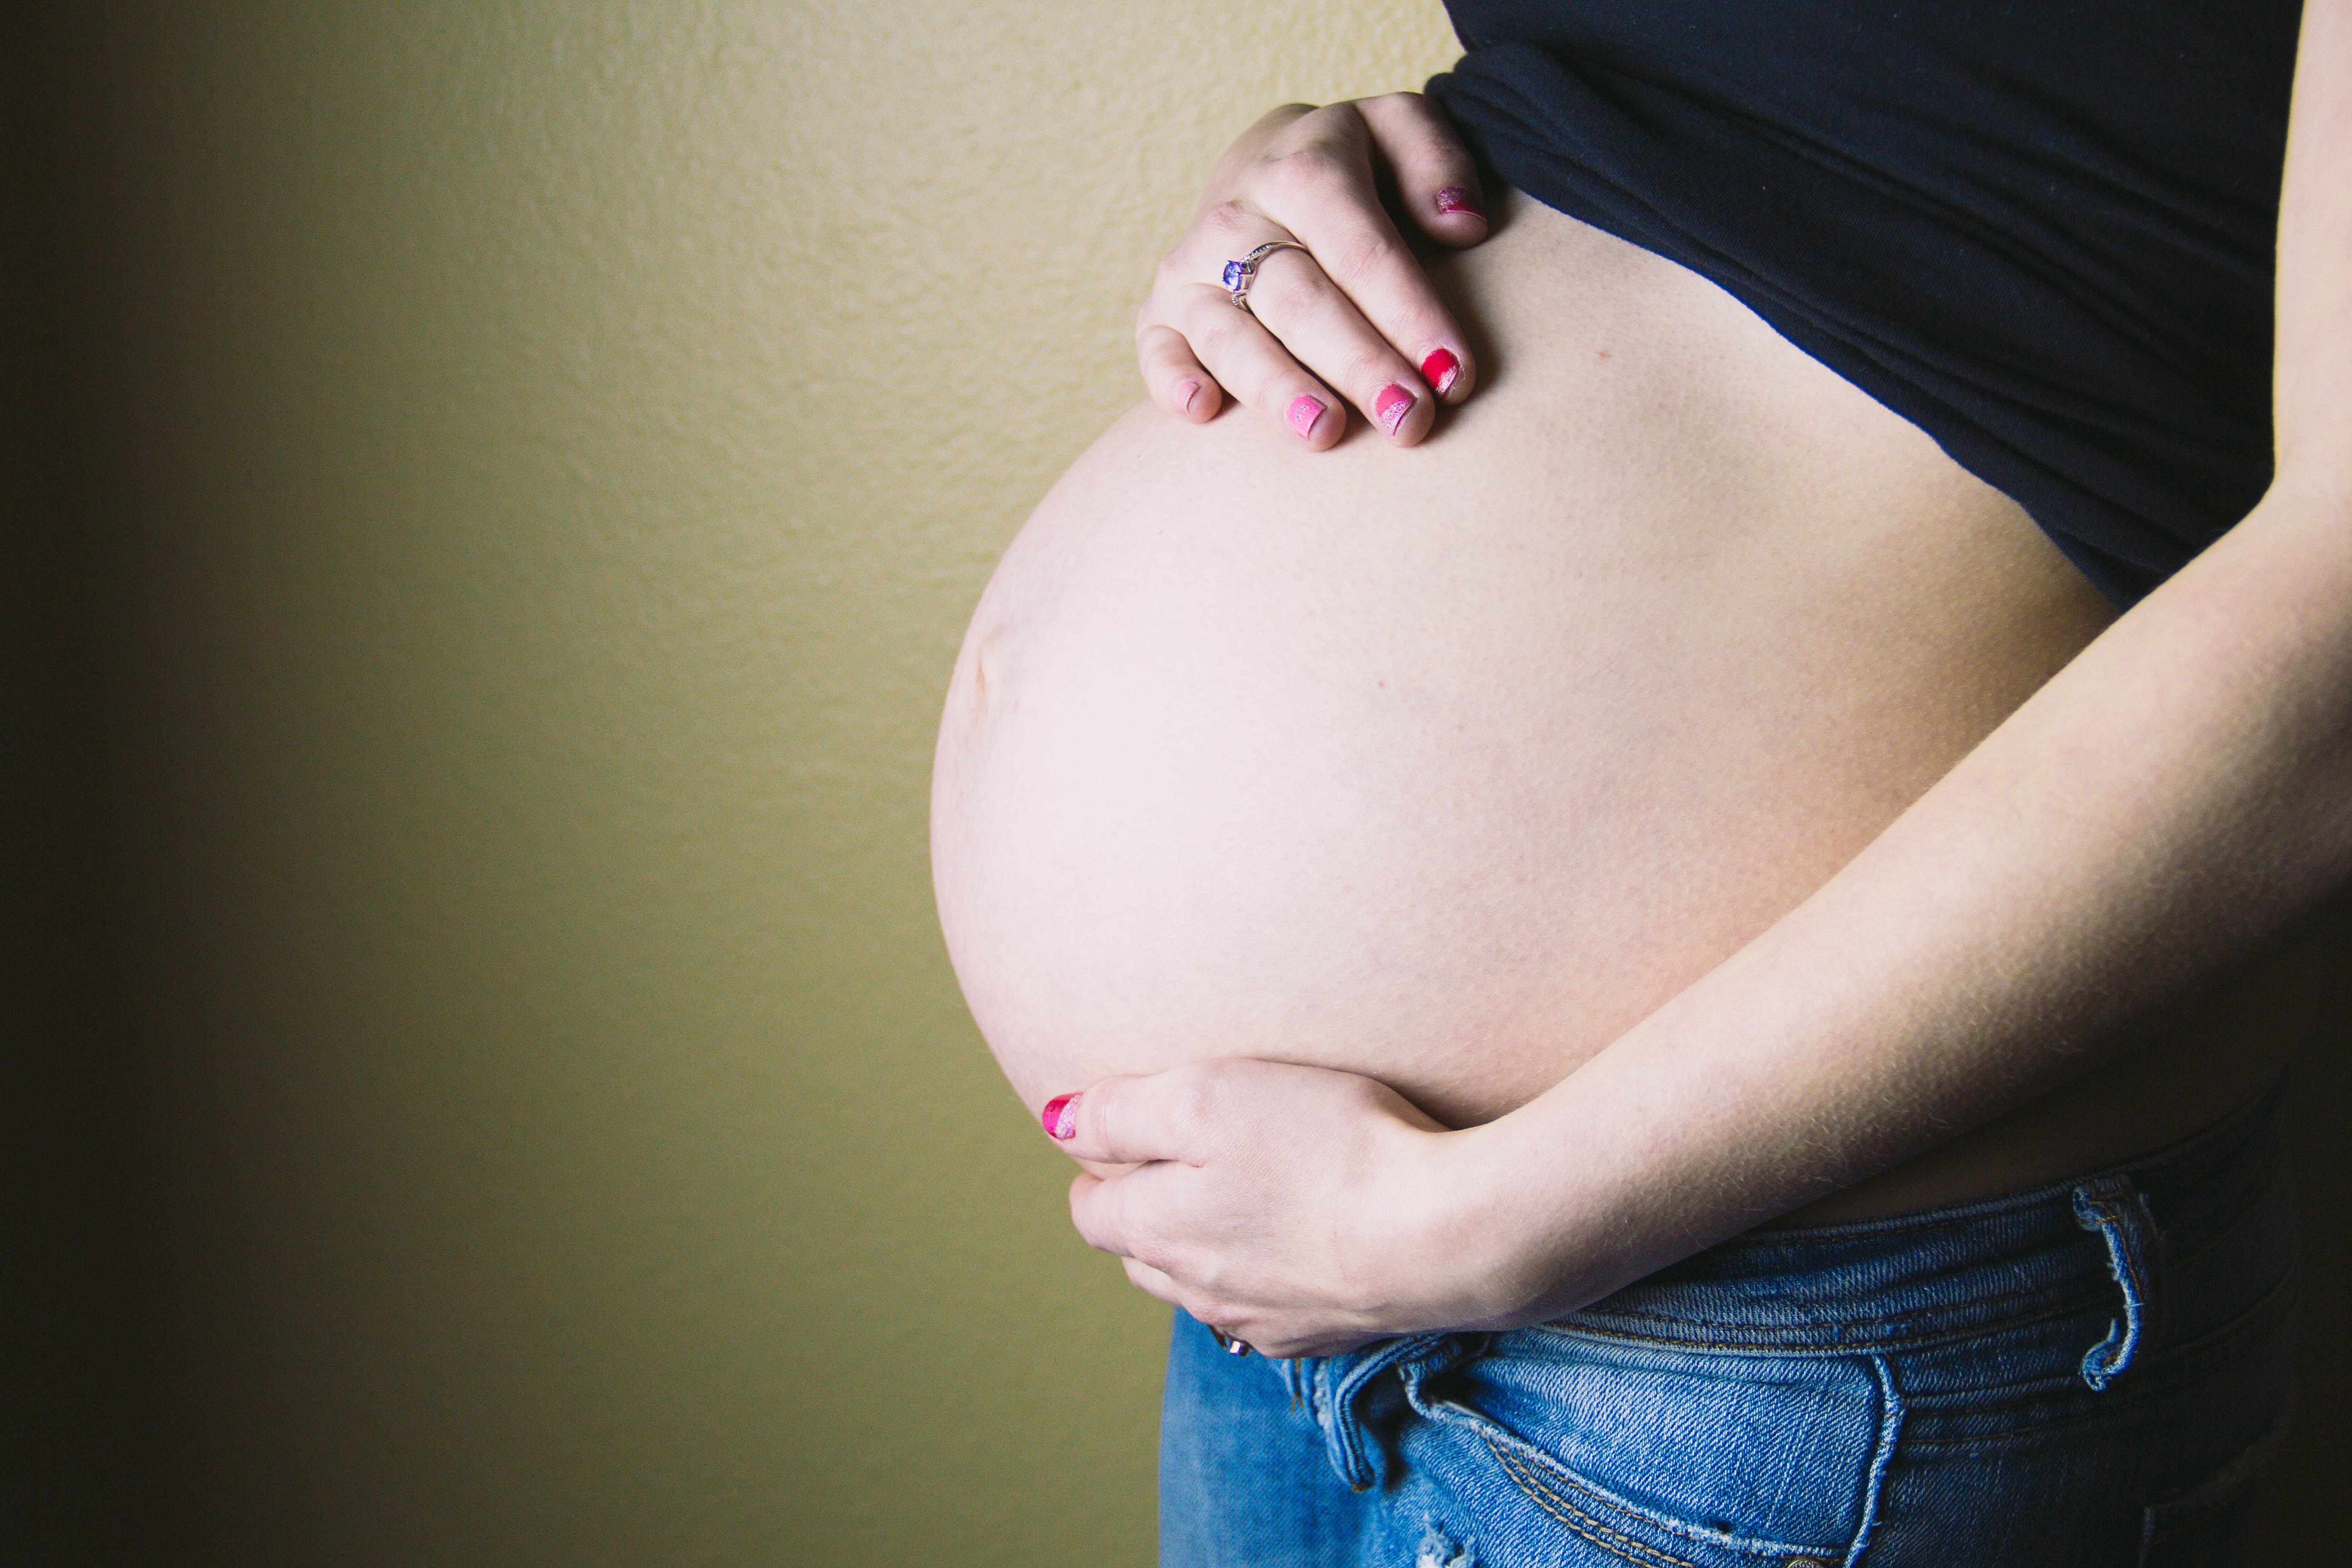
<point>1124,1120</point>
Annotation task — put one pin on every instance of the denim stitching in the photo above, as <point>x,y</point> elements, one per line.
<point>1973,1303</point>
<point>2101,1206</point>
<point>1890,1432</point>
<point>1622,1547</point>
<point>2213,1212</point>
<point>1770,1346</point>
<point>2061,1304</point>
<point>1345,1438</point>
<point>1536,1462</point>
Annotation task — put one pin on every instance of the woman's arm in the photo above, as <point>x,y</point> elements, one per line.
<point>2173,804</point>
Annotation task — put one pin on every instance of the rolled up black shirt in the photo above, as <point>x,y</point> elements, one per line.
<point>2044,233</point>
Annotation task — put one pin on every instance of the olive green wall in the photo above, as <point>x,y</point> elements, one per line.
<point>520,475</point>
<point>550,453</point>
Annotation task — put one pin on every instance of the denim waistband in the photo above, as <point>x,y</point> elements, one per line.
<point>1956,1270</point>
<point>2128,1243</point>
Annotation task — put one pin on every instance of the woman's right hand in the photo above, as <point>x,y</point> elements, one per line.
<point>1351,313</point>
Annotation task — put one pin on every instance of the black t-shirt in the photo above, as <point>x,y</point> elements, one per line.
<point>2044,232</point>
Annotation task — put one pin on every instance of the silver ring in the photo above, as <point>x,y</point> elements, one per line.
<point>1227,1343</point>
<point>1238,276</point>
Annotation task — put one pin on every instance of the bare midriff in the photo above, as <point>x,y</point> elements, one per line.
<point>1446,765</point>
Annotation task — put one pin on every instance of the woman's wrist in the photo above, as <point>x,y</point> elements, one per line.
<point>1497,1223</point>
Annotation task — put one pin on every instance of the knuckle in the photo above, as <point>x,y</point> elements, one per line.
<point>1429,119</point>
<point>1342,118</point>
<point>1436,147</point>
<point>1199,1091</point>
<point>1103,1119</point>
<point>1292,293</point>
<point>1226,220</point>
<point>1365,253</point>
<point>1429,125</point>
<point>1306,170</point>
<point>1215,330</point>
<point>1425,324</point>
<point>1279,387</point>
<point>1367,365</point>
<point>1152,1250</point>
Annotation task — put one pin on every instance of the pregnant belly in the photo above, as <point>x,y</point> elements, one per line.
<point>1446,765</point>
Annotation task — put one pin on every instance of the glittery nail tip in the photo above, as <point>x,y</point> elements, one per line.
<point>1441,369</point>
<point>1060,1117</point>
<point>1303,413</point>
<point>1391,408</point>
<point>1454,199</point>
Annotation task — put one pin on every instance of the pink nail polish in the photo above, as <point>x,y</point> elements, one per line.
<point>1454,199</point>
<point>1303,413</point>
<point>1391,406</point>
<point>1441,369</point>
<point>1060,1117</point>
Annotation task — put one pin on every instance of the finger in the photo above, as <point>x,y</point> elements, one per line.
<point>1324,191</point>
<point>1186,321</point>
<point>1251,363</point>
<point>1095,1215</point>
<point>1152,1282</point>
<point>1115,1216</point>
<point>1436,178</point>
<point>1162,1286</point>
<point>1133,1121</point>
<point>1319,326</point>
<point>1175,376</point>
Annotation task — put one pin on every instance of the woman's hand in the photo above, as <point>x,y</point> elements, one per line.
<point>1299,1209</point>
<point>1353,311</point>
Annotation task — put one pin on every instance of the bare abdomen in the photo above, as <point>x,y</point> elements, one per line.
<point>1446,765</point>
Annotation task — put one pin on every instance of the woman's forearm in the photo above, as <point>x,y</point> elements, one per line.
<point>2173,804</point>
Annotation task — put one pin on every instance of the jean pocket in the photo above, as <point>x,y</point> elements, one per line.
<point>1676,1459</point>
<point>2205,1526</point>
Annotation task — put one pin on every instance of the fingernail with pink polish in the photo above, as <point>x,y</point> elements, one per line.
<point>1303,413</point>
<point>1391,406</point>
<point>1454,199</point>
<point>1060,1117</point>
<point>1441,369</point>
<point>1185,393</point>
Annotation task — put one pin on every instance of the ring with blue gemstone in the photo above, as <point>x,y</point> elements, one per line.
<point>1240,274</point>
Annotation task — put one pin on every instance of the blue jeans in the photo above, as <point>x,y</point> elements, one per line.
<point>2087,1375</point>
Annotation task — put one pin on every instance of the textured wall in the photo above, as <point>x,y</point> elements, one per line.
<point>549,454</point>
<point>526,468</point>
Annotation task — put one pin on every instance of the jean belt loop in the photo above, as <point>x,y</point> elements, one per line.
<point>1354,1453</point>
<point>1298,1379</point>
<point>2117,1210</point>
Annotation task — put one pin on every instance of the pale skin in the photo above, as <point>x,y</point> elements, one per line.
<point>2174,804</point>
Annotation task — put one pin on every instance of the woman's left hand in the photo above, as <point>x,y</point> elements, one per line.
<point>1301,1210</point>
